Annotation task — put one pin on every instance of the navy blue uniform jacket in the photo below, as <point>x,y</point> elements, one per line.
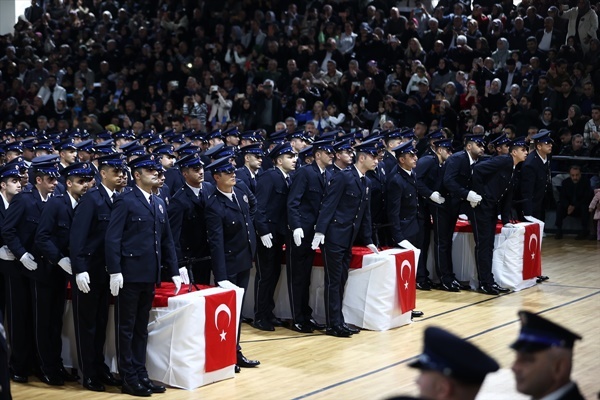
<point>305,196</point>
<point>492,180</point>
<point>403,205</point>
<point>345,212</point>
<point>52,238</point>
<point>535,179</point>
<point>138,239</point>
<point>271,198</point>
<point>429,177</point>
<point>231,234</point>
<point>457,177</point>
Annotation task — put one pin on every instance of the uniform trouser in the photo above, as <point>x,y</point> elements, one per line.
<point>299,268</point>
<point>19,323</point>
<point>4,373</point>
<point>48,301</point>
<point>268,269</point>
<point>241,280</point>
<point>423,243</point>
<point>337,263</point>
<point>90,317</point>
<point>132,312</point>
<point>444,222</point>
<point>484,220</point>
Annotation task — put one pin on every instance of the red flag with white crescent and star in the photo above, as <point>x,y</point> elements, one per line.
<point>532,254</point>
<point>220,331</point>
<point>406,271</point>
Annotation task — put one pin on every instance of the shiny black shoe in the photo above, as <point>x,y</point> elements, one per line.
<point>152,386</point>
<point>237,369</point>
<point>247,320</point>
<point>18,378</point>
<point>108,379</point>
<point>542,278</point>
<point>53,379</point>
<point>352,329</point>
<point>488,289</point>
<point>424,285</point>
<point>243,362</point>
<point>416,314</point>
<point>136,389</point>
<point>450,287</point>
<point>263,325</point>
<point>302,328</point>
<point>93,384</point>
<point>500,288</point>
<point>338,331</point>
<point>276,321</point>
<point>460,285</point>
<point>317,326</point>
<point>67,376</point>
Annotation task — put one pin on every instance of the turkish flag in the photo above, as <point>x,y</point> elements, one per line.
<point>406,270</point>
<point>220,331</point>
<point>532,254</point>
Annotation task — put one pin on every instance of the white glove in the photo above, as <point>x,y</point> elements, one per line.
<point>185,278</point>
<point>29,262</point>
<point>373,248</point>
<point>266,240</point>
<point>116,283</point>
<point>436,197</point>
<point>318,240</point>
<point>463,217</point>
<point>6,254</point>
<point>407,245</point>
<point>65,263</point>
<point>226,285</point>
<point>474,203</point>
<point>298,235</point>
<point>177,281</point>
<point>472,196</point>
<point>534,220</point>
<point>83,282</point>
<point>510,225</point>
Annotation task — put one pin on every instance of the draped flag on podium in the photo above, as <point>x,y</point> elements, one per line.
<point>220,331</point>
<point>406,270</point>
<point>532,255</point>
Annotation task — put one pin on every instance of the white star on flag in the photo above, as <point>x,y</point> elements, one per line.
<point>223,335</point>
<point>532,256</point>
<point>405,285</point>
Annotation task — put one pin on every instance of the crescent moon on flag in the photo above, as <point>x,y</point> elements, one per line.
<point>220,309</point>
<point>532,237</point>
<point>405,263</point>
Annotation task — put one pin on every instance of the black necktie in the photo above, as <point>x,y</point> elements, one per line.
<point>151,200</point>
<point>114,196</point>
<point>234,199</point>
<point>363,181</point>
<point>324,177</point>
<point>288,181</point>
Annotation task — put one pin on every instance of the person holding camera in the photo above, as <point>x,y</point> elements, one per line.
<point>219,106</point>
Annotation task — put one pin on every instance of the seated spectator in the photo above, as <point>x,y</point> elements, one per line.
<point>574,200</point>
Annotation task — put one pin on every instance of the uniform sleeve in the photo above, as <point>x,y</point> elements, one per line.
<point>176,212</point>
<point>214,225</point>
<point>366,227</point>
<point>394,198</point>
<point>14,216</point>
<point>422,170</point>
<point>252,201</point>
<point>299,186</point>
<point>333,194</point>
<point>114,235</point>
<point>527,188</point>
<point>48,221</point>
<point>450,178</point>
<point>264,187</point>
<point>82,221</point>
<point>169,258</point>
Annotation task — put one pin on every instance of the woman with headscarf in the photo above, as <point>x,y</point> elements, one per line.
<point>442,75</point>
<point>583,23</point>
<point>574,121</point>
<point>493,99</point>
<point>501,54</point>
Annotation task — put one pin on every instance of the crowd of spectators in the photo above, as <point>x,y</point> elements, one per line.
<point>486,67</point>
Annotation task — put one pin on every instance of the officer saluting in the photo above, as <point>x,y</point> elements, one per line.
<point>90,290</point>
<point>138,243</point>
<point>345,214</point>
<point>231,236</point>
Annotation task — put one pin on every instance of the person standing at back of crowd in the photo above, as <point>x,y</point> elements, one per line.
<point>303,203</point>
<point>456,190</point>
<point>89,283</point>
<point>272,188</point>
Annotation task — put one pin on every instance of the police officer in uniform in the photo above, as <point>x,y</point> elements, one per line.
<point>343,156</point>
<point>499,145</point>
<point>231,236</point>
<point>272,188</point>
<point>344,215</point>
<point>430,173</point>
<point>186,216</point>
<point>493,178</point>
<point>456,189</point>
<point>134,260</point>
<point>30,280</point>
<point>252,156</point>
<point>378,178</point>
<point>90,290</point>
<point>535,177</point>
<point>303,203</point>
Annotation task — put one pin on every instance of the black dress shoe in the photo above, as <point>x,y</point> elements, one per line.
<point>460,285</point>
<point>93,384</point>
<point>488,289</point>
<point>152,386</point>
<point>136,389</point>
<point>276,321</point>
<point>53,379</point>
<point>450,287</point>
<point>302,328</point>
<point>424,285</point>
<point>18,378</point>
<point>237,369</point>
<point>541,278</point>
<point>352,329</point>
<point>108,379</point>
<point>263,325</point>
<point>417,314</point>
<point>247,320</point>
<point>317,326</point>
<point>338,331</point>
<point>500,288</point>
<point>243,362</point>
<point>67,376</point>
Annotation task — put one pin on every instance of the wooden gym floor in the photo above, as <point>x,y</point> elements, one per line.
<point>373,365</point>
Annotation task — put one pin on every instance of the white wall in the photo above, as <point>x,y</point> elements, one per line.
<point>9,12</point>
